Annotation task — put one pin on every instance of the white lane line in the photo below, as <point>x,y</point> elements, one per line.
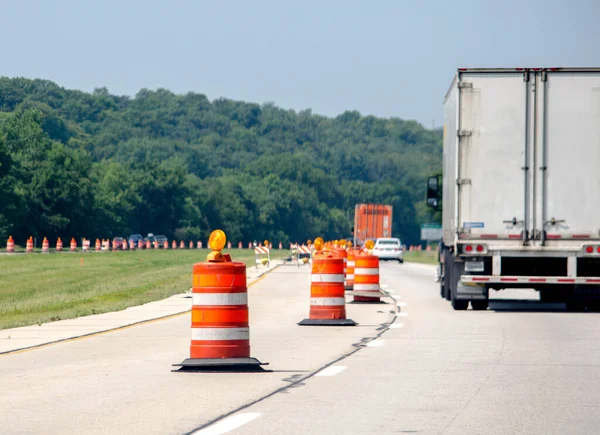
<point>375,343</point>
<point>396,325</point>
<point>228,424</point>
<point>402,314</point>
<point>331,371</point>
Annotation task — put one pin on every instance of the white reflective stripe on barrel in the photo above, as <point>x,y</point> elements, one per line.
<point>220,298</point>
<point>220,333</point>
<point>350,276</point>
<point>327,277</point>
<point>373,287</point>
<point>327,301</point>
<point>350,263</point>
<point>366,271</point>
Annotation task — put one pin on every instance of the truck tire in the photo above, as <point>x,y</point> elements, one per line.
<point>459,305</point>
<point>480,305</point>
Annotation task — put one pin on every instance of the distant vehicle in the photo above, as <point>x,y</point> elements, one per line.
<point>118,242</point>
<point>389,249</point>
<point>371,221</point>
<point>135,238</point>
<point>161,240</point>
<point>519,189</point>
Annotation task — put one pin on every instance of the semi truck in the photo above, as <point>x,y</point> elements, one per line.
<point>520,186</point>
<point>372,221</point>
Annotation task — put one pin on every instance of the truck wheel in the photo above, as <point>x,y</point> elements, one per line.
<point>575,305</point>
<point>459,305</point>
<point>480,305</point>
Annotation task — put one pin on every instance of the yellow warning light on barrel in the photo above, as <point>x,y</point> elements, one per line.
<point>309,242</point>
<point>266,243</point>
<point>216,242</point>
<point>349,244</point>
<point>370,244</point>
<point>319,243</point>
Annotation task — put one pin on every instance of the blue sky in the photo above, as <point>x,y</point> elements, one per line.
<point>386,58</point>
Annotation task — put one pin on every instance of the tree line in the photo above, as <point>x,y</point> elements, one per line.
<point>77,164</point>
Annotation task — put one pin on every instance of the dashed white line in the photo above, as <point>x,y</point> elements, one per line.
<point>331,371</point>
<point>375,343</point>
<point>228,424</point>
<point>396,325</point>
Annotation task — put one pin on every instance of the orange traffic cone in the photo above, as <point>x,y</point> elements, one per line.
<point>29,246</point>
<point>59,245</point>
<point>148,244</point>
<point>45,246</point>
<point>140,244</point>
<point>191,245</point>
<point>182,245</point>
<point>240,245</point>
<point>249,245</point>
<point>327,298</point>
<point>352,253</point>
<point>174,245</point>
<point>220,328</point>
<point>166,245</point>
<point>97,247</point>
<point>366,279</point>
<point>10,245</point>
<point>73,245</point>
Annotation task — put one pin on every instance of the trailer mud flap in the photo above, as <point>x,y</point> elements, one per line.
<point>471,292</point>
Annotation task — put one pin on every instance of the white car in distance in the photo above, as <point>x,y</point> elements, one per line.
<point>389,249</point>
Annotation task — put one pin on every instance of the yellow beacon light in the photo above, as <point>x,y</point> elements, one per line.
<point>349,244</point>
<point>216,242</point>
<point>309,242</point>
<point>266,243</point>
<point>319,244</point>
<point>370,244</point>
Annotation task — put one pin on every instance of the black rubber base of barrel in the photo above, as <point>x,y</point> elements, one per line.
<point>220,364</point>
<point>328,322</point>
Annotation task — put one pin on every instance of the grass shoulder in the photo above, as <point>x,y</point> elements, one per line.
<point>40,288</point>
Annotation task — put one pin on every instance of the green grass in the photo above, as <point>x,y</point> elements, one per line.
<point>37,288</point>
<point>424,257</point>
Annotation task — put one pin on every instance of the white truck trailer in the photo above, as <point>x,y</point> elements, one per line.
<point>520,190</point>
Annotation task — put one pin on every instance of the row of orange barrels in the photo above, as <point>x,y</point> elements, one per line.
<point>418,248</point>
<point>115,245</point>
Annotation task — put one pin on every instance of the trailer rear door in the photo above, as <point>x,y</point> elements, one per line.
<point>493,125</point>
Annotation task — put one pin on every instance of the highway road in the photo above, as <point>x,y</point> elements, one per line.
<point>412,365</point>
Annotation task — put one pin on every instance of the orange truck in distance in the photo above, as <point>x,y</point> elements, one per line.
<point>371,221</point>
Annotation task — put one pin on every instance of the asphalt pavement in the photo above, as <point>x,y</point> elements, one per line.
<point>412,365</point>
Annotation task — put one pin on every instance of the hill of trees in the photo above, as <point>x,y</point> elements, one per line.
<point>75,164</point>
